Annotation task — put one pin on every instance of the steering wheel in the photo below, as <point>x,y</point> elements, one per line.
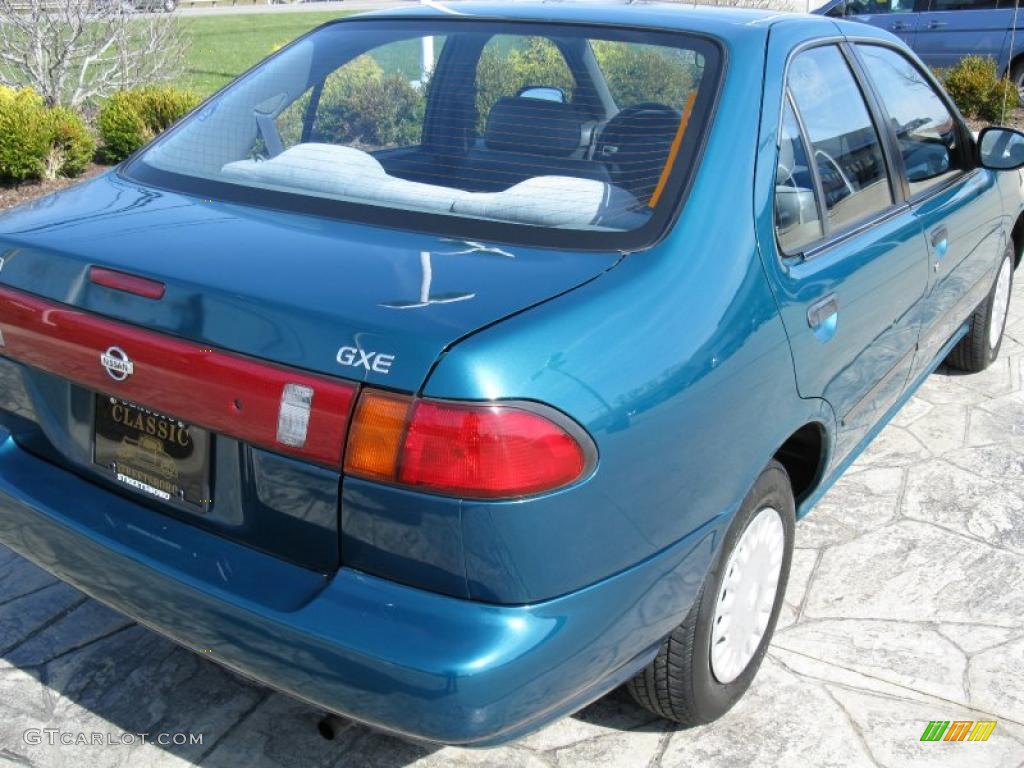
<point>634,146</point>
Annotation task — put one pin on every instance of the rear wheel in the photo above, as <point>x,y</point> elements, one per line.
<point>980,347</point>
<point>1017,76</point>
<point>709,660</point>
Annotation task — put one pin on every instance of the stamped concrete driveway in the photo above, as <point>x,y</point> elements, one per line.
<point>906,605</point>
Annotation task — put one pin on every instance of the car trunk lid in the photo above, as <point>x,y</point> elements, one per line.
<point>276,297</point>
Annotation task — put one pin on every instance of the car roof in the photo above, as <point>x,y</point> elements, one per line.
<point>711,20</point>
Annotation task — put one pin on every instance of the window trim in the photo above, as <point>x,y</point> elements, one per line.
<point>643,238</point>
<point>963,134</point>
<point>830,236</point>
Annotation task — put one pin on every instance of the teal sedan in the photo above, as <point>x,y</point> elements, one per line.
<point>457,365</point>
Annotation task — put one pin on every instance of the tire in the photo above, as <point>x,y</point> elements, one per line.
<point>980,347</point>
<point>683,683</point>
<point>1017,76</point>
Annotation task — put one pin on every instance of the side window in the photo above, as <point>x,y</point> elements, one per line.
<point>875,7</point>
<point>797,219</point>
<point>927,131</point>
<point>968,5</point>
<point>375,101</point>
<point>844,143</point>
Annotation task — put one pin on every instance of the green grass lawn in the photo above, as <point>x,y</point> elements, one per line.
<point>225,46</point>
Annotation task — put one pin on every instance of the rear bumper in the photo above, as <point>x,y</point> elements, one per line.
<point>398,658</point>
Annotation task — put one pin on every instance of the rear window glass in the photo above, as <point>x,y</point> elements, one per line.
<point>556,134</point>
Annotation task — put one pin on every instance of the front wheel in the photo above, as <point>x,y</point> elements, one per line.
<point>708,662</point>
<point>980,347</point>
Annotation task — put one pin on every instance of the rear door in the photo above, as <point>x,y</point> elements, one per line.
<point>951,29</point>
<point>957,204</point>
<point>849,259</point>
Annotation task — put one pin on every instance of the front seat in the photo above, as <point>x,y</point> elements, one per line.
<point>525,138</point>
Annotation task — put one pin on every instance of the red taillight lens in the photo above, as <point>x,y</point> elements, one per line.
<point>471,450</point>
<point>487,451</point>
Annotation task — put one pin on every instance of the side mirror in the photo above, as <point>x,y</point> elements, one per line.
<point>542,92</point>
<point>1001,149</point>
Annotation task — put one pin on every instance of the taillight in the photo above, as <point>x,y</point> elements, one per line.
<point>470,450</point>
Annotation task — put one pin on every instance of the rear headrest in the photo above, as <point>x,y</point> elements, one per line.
<point>534,127</point>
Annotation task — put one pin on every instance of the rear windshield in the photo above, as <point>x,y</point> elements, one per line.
<point>542,133</point>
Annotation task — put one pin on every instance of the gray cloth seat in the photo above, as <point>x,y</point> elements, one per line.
<point>326,170</point>
<point>525,138</point>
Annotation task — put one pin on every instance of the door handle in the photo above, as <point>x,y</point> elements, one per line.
<point>822,310</point>
<point>936,24</point>
<point>899,26</point>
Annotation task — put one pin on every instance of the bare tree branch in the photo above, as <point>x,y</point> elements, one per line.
<point>73,52</point>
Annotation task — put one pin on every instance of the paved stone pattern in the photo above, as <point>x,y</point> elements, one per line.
<point>906,604</point>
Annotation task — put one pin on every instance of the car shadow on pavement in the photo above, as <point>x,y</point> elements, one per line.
<point>73,670</point>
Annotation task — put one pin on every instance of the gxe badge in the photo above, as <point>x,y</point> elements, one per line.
<point>117,364</point>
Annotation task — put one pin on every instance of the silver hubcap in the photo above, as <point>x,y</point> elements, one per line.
<point>1000,304</point>
<point>747,595</point>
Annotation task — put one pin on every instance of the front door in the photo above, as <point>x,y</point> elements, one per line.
<point>957,205</point>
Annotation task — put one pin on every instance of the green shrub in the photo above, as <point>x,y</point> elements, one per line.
<point>129,120</point>
<point>362,106</point>
<point>163,106</point>
<point>23,135</point>
<point>647,73</point>
<point>71,145</point>
<point>387,112</point>
<point>38,142</point>
<point>122,129</point>
<point>1002,102</point>
<point>978,91</point>
<point>23,95</point>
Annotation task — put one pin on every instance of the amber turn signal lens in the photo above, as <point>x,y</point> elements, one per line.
<point>375,441</point>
